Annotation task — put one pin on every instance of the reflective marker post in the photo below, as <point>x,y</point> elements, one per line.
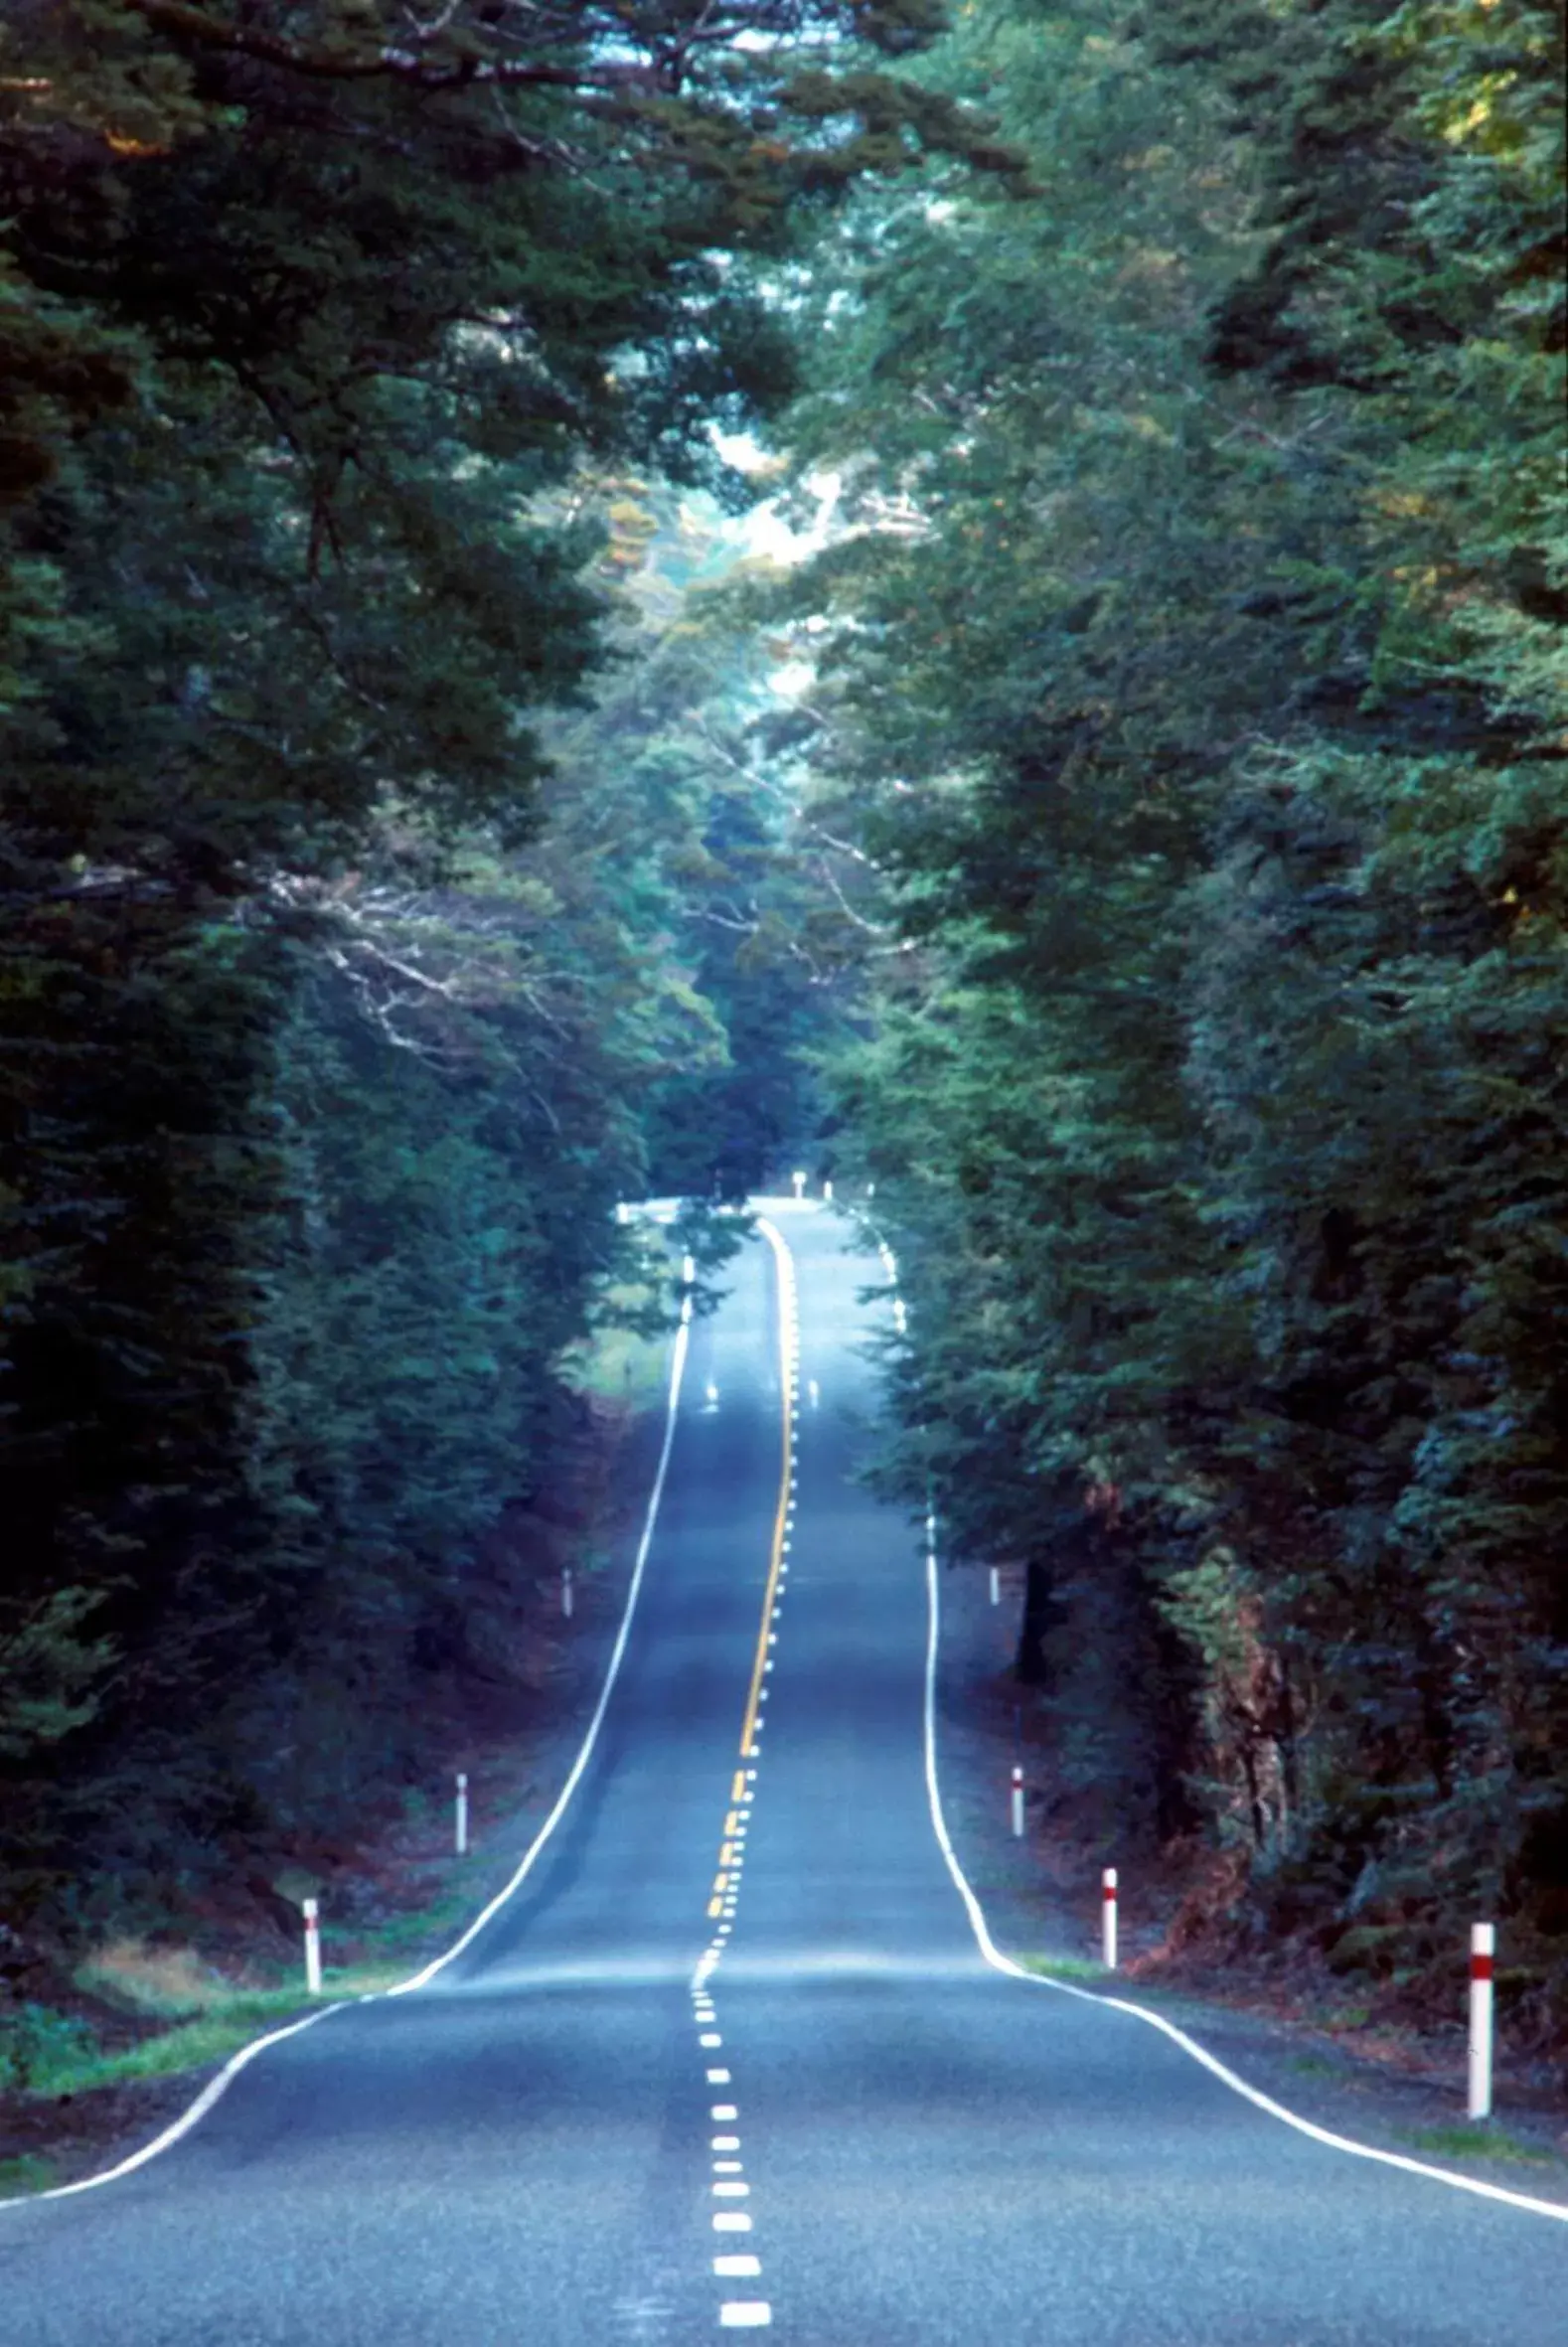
<point>565,1591</point>
<point>995,1586</point>
<point>1483,1949</point>
<point>1017,1804</point>
<point>462,1813</point>
<point>1108,1917</point>
<point>799,1179</point>
<point>312,1948</point>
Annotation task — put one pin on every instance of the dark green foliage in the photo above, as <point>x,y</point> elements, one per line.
<point>322,1071</point>
<point>1201,700</point>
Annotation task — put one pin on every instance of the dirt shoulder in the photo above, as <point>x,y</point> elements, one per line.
<point>391,1903</point>
<point>1286,2026</point>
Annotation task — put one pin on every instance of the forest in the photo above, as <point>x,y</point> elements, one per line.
<point>1126,828</point>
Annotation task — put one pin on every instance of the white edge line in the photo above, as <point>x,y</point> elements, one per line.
<point>677,1370</point>
<point>1005,1963</point>
<point>188,2117</point>
<point>216,2087</point>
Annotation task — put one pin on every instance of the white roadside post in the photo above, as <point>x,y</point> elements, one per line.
<point>995,1586</point>
<point>799,1179</point>
<point>1017,1804</point>
<point>462,1813</point>
<point>567,1599</point>
<point>1108,1918</point>
<point>688,1270</point>
<point>827,1193</point>
<point>1483,1949</point>
<point>312,1948</point>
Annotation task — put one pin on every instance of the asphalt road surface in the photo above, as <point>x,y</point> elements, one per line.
<point>730,2057</point>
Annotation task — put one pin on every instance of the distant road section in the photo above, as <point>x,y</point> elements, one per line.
<point>730,2058</point>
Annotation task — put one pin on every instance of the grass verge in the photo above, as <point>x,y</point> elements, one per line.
<point>207,2018</point>
<point>28,2174</point>
<point>1476,2143</point>
<point>618,1363</point>
<point>1066,1967</point>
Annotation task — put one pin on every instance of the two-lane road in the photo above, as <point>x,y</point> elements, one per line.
<point>730,2057</point>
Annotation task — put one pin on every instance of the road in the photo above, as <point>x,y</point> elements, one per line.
<point>730,2058</point>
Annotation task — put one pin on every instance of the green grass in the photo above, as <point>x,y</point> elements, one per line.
<point>616,1365</point>
<point>1314,2065</point>
<point>25,2174</point>
<point>1475,2144</point>
<point>208,2018</point>
<point>1064,1967</point>
<point>444,1915</point>
<point>213,2036</point>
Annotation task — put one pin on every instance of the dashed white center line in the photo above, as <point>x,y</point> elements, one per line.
<point>731,2221</point>
<point>719,2078</point>
<point>723,2111</point>
<point>730,2191</point>
<point>724,2143</point>
<point>736,2266</point>
<point>745,2314</point>
<point>710,2037</point>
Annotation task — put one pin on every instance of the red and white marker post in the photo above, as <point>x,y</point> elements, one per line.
<point>462,1813</point>
<point>1108,1918</point>
<point>1483,1949</point>
<point>1017,1804</point>
<point>312,1947</point>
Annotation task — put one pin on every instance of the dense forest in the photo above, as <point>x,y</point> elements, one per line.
<point>1192,671</point>
<point>1133,835</point>
<point>376,838</point>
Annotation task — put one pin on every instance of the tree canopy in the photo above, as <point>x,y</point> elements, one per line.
<point>1195,675</point>
<point>1135,839</point>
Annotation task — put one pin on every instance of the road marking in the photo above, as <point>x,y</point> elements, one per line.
<point>734,2267</point>
<point>785,1268</point>
<point>750,2313</point>
<point>1121,2005</point>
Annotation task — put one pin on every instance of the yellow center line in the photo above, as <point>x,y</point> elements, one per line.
<point>787,1446</point>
